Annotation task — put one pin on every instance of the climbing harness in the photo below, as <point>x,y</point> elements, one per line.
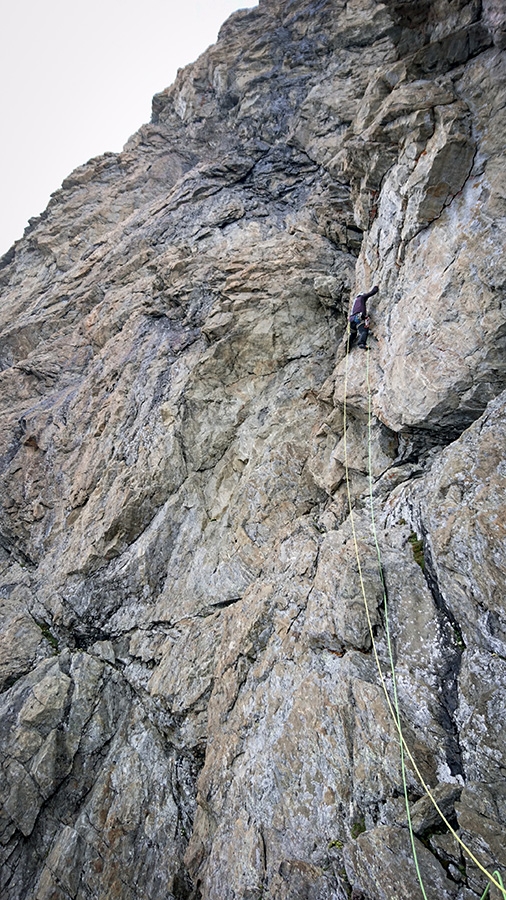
<point>393,706</point>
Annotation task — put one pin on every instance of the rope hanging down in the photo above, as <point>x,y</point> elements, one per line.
<point>394,706</point>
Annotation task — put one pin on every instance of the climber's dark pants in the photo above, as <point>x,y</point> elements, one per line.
<point>363,332</point>
<point>358,329</point>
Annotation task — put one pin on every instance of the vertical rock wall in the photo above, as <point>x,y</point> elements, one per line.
<point>190,700</point>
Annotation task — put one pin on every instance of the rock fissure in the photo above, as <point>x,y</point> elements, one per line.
<point>184,654</point>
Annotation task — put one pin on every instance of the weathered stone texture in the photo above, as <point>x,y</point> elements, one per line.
<point>199,644</point>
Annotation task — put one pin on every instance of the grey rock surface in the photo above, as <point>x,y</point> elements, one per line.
<point>228,547</point>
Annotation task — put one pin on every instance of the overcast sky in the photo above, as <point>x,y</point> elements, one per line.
<point>77,78</point>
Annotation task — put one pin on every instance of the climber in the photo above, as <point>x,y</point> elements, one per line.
<point>359,320</point>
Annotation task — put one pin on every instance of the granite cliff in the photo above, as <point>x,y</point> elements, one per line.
<point>190,700</point>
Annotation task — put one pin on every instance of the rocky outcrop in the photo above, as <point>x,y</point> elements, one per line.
<point>226,545</point>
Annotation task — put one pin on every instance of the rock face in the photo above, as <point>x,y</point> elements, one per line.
<point>196,479</point>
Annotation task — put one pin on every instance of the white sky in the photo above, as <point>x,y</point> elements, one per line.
<point>76,80</point>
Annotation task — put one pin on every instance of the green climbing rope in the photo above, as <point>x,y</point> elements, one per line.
<point>501,888</point>
<point>394,707</point>
<point>388,637</point>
